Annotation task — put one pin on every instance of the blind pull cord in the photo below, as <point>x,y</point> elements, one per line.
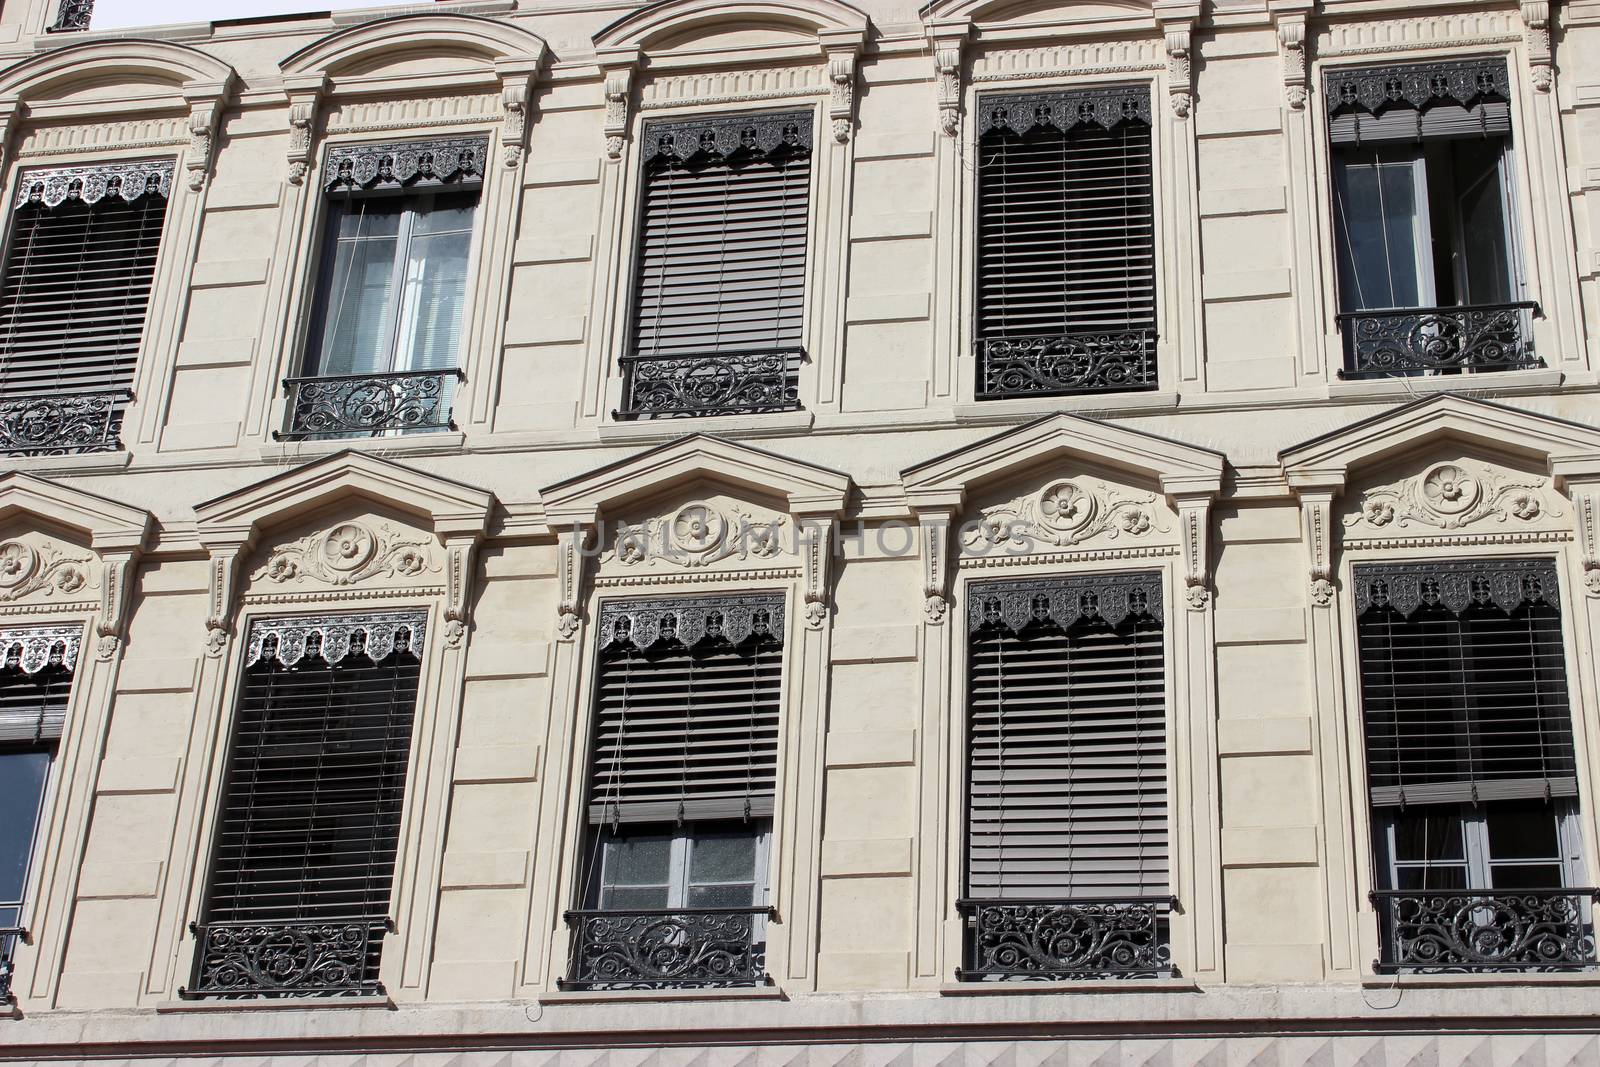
<point>688,728</point>
<point>750,740</point>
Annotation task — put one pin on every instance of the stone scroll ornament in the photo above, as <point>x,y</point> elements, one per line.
<point>333,638</point>
<point>53,186</point>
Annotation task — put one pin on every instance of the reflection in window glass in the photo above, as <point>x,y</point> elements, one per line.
<point>23,774</point>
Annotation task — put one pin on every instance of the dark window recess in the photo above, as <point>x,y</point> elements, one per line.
<point>1471,767</point>
<point>73,303</point>
<point>682,775</point>
<point>297,903</point>
<point>1066,285</point>
<point>388,312</point>
<point>1067,869</point>
<point>1429,272</point>
<point>719,292</point>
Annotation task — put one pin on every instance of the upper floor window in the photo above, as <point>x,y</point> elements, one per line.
<point>72,15</point>
<point>1067,844</point>
<point>36,667</point>
<point>387,317</point>
<point>682,774</point>
<point>79,266</point>
<point>1429,272</point>
<point>308,825</point>
<point>1066,280</point>
<point>720,286</point>
<point>1471,767</point>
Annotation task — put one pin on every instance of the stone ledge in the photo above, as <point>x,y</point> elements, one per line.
<point>178,1007</point>
<point>609,996</point>
<point>1106,985</point>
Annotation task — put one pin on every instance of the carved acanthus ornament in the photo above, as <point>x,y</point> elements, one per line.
<point>459,554</point>
<point>699,534</point>
<point>348,554</point>
<point>619,101</point>
<point>948,41</point>
<point>1586,505</point>
<point>1536,32</point>
<point>223,571</point>
<point>934,527</point>
<point>570,555</point>
<point>842,91</point>
<point>1292,50</point>
<point>516,98</point>
<point>1180,76</point>
<point>1065,512</point>
<point>1452,496</point>
<point>114,604</point>
<point>204,119</point>
<point>305,100</point>
<point>1194,516</point>
<point>816,550</point>
<point>1316,518</point>
<point>26,570</point>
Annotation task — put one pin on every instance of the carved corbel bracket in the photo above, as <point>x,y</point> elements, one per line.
<point>816,552</point>
<point>619,69</point>
<point>571,553</point>
<point>1316,520</point>
<point>1194,519</point>
<point>516,97</point>
<point>842,89</point>
<point>1586,508</point>
<point>206,103</point>
<point>1292,48</point>
<point>224,576</point>
<point>948,39</point>
<point>1536,34</point>
<point>1177,24</point>
<point>305,99</point>
<point>11,111</point>
<point>114,601</point>
<point>935,544</point>
<point>460,552</point>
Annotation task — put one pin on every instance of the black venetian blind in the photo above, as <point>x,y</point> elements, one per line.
<point>1414,101</point>
<point>36,669</point>
<point>1067,758</point>
<point>1066,240</point>
<point>1463,682</point>
<point>686,710</point>
<point>76,287</point>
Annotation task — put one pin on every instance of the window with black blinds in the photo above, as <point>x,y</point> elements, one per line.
<point>78,272</point>
<point>1463,682</point>
<point>1409,102</point>
<point>721,275</point>
<point>687,699</point>
<point>1066,291</point>
<point>36,670</point>
<point>1066,728</point>
<point>315,782</point>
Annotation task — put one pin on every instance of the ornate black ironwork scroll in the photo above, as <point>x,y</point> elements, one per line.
<point>30,649</point>
<point>1464,930</point>
<point>763,134</point>
<point>365,405</point>
<point>690,620</point>
<point>1066,940</point>
<point>72,15</point>
<point>9,937</point>
<point>330,638</point>
<point>1464,82</point>
<point>62,424</point>
<point>1107,106</point>
<point>1478,337</point>
<point>455,161</point>
<point>1063,601</point>
<point>54,186</point>
<point>1505,583</point>
<point>330,958</point>
<point>1058,364</point>
<point>685,947</point>
<point>711,383</point>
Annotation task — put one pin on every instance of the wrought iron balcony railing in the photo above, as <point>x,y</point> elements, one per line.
<point>1066,940</point>
<point>686,385</point>
<point>370,405</point>
<point>1400,341</point>
<point>72,15</point>
<point>1067,363</point>
<point>62,424</point>
<point>667,949</point>
<point>331,958</point>
<point>1467,930</point>
<point>9,936</point>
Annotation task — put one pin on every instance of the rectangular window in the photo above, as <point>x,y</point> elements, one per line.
<point>80,261</point>
<point>682,774</point>
<point>388,313</point>
<point>1429,279</point>
<point>1067,869</point>
<point>1471,767</point>
<point>309,821</point>
<point>36,668</point>
<point>1066,282</point>
<point>719,293</point>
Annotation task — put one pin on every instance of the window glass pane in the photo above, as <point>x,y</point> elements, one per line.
<point>430,314</point>
<point>634,897</point>
<point>1431,877</point>
<point>1424,835</point>
<point>1527,876</point>
<point>1522,830</point>
<point>637,859</point>
<point>722,857</point>
<point>721,896</point>
<point>22,779</point>
<point>1484,267</point>
<point>1375,222</point>
<point>357,288</point>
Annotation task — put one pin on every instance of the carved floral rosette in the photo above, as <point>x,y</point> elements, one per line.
<point>1016,604</point>
<point>350,553</point>
<point>332,638</point>
<point>1505,583</point>
<point>33,648</point>
<point>1063,513</point>
<point>53,186</point>
<point>764,134</point>
<point>26,569</point>
<point>690,620</point>
<point>698,535</point>
<point>1450,496</point>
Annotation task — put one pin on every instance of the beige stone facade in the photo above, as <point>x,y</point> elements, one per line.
<point>1258,475</point>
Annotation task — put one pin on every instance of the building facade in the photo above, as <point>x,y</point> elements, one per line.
<point>789,531</point>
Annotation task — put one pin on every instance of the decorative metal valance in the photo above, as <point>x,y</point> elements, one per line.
<point>691,620</point>
<point>723,135</point>
<point>1464,82</point>
<point>54,186</point>
<point>33,648</point>
<point>1063,601</point>
<point>1101,105</point>
<point>1505,583</point>
<point>331,638</point>
<point>456,161</point>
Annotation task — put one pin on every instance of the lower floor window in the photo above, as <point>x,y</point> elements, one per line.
<point>1504,844</point>
<point>711,865</point>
